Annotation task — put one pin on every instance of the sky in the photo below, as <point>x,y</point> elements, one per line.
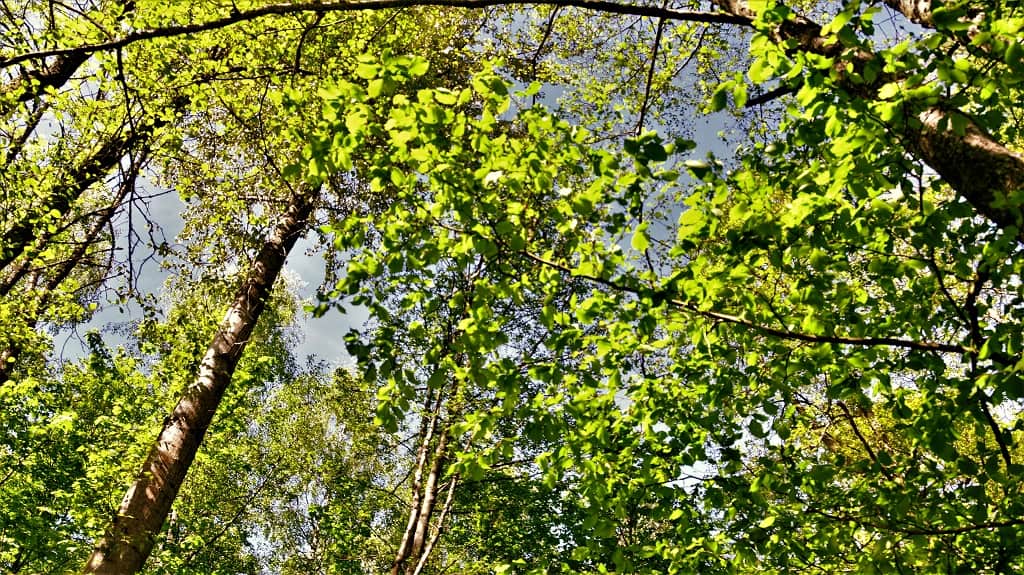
<point>321,337</point>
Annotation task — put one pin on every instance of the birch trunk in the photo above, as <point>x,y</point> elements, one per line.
<point>427,427</point>
<point>130,536</point>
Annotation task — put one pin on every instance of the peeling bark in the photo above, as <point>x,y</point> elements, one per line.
<point>131,535</point>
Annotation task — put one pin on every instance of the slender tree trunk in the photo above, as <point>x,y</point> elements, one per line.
<point>426,512</point>
<point>427,426</point>
<point>130,536</point>
<point>449,500</point>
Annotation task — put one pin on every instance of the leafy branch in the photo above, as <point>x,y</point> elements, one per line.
<point>928,346</point>
<point>236,17</point>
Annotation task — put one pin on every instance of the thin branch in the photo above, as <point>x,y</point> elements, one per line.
<point>928,346</point>
<point>921,531</point>
<point>297,65</point>
<point>540,47</point>
<point>650,75</point>
<point>605,6</point>
<point>971,305</point>
<point>996,431</point>
<point>863,440</point>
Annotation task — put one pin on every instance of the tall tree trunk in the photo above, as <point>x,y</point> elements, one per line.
<point>132,533</point>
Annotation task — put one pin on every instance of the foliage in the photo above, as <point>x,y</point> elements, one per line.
<point>640,353</point>
<point>775,299</point>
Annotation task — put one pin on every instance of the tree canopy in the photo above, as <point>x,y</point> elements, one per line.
<point>601,337</point>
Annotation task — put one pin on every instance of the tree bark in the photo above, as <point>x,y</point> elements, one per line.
<point>977,166</point>
<point>132,533</point>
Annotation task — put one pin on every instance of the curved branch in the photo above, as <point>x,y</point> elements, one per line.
<point>671,299</point>
<point>605,6</point>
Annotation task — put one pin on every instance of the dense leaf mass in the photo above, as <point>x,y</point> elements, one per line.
<point>587,334</point>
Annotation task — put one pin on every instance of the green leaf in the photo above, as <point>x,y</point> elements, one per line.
<point>640,241</point>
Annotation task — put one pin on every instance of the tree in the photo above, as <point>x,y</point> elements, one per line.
<point>833,287</point>
<point>858,255</point>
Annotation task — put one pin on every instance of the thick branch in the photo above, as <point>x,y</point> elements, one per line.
<point>31,84</point>
<point>917,11</point>
<point>981,169</point>
<point>324,7</point>
<point>986,173</point>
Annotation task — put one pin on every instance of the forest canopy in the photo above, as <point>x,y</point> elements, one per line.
<point>729,286</point>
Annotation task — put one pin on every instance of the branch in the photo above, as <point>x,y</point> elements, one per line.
<point>770,95</point>
<point>604,6</point>
<point>916,11</point>
<point>927,346</point>
<point>650,75</point>
<point>996,431</point>
<point>921,531</point>
<point>863,440</point>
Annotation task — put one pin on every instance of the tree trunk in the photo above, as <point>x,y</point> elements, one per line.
<point>449,500</point>
<point>979,168</point>
<point>427,507</point>
<point>130,537</point>
<point>427,426</point>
